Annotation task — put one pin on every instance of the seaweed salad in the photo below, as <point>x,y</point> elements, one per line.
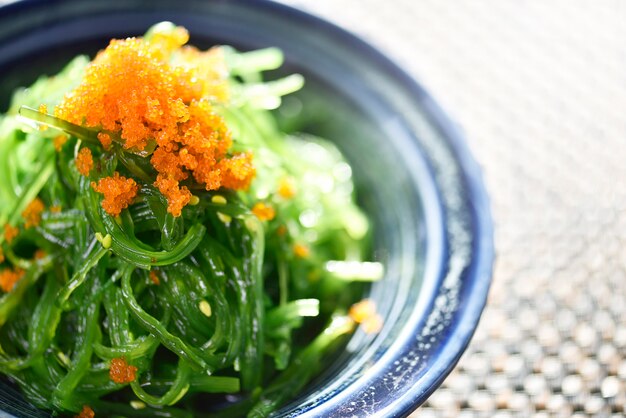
<point>165,249</point>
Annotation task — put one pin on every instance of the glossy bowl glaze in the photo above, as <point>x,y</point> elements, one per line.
<point>414,174</point>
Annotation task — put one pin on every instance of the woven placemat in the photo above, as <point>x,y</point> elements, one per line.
<point>539,88</point>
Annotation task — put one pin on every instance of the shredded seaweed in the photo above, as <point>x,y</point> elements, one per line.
<point>164,240</point>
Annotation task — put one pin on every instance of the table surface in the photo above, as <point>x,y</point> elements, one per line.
<point>539,88</point>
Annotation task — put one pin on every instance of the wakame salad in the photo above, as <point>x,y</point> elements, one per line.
<point>165,249</point>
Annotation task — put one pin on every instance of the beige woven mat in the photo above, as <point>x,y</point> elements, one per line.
<point>539,88</point>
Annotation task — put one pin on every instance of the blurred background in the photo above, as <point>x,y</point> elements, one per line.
<point>539,89</point>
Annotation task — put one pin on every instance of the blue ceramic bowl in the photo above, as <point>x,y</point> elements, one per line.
<point>414,175</point>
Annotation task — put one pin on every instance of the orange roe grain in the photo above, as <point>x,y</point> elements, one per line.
<point>32,213</point>
<point>105,140</point>
<point>39,254</point>
<point>59,141</point>
<point>154,278</point>
<point>55,208</point>
<point>8,278</point>
<point>286,188</point>
<point>10,232</point>
<point>301,250</point>
<point>86,412</point>
<point>127,89</point>
<point>121,372</point>
<point>210,67</point>
<point>237,171</point>
<point>177,197</point>
<point>133,89</point>
<point>364,313</point>
<point>118,192</point>
<point>168,40</point>
<point>263,211</point>
<point>84,161</point>
<point>362,310</point>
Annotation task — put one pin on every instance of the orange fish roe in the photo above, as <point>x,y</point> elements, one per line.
<point>59,141</point>
<point>362,310</point>
<point>10,232</point>
<point>55,209</point>
<point>118,192</point>
<point>286,188</point>
<point>8,278</point>
<point>166,39</point>
<point>209,66</point>
<point>237,171</point>
<point>121,372</point>
<point>39,254</point>
<point>32,213</point>
<point>364,313</point>
<point>84,161</point>
<point>154,278</point>
<point>301,250</point>
<point>177,197</point>
<point>263,212</point>
<point>86,412</point>
<point>133,89</point>
<point>105,140</point>
<point>127,89</point>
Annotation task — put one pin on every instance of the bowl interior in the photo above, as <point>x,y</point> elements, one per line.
<point>426,217</point>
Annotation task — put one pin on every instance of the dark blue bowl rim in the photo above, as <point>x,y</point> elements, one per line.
<point>478,278</point>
